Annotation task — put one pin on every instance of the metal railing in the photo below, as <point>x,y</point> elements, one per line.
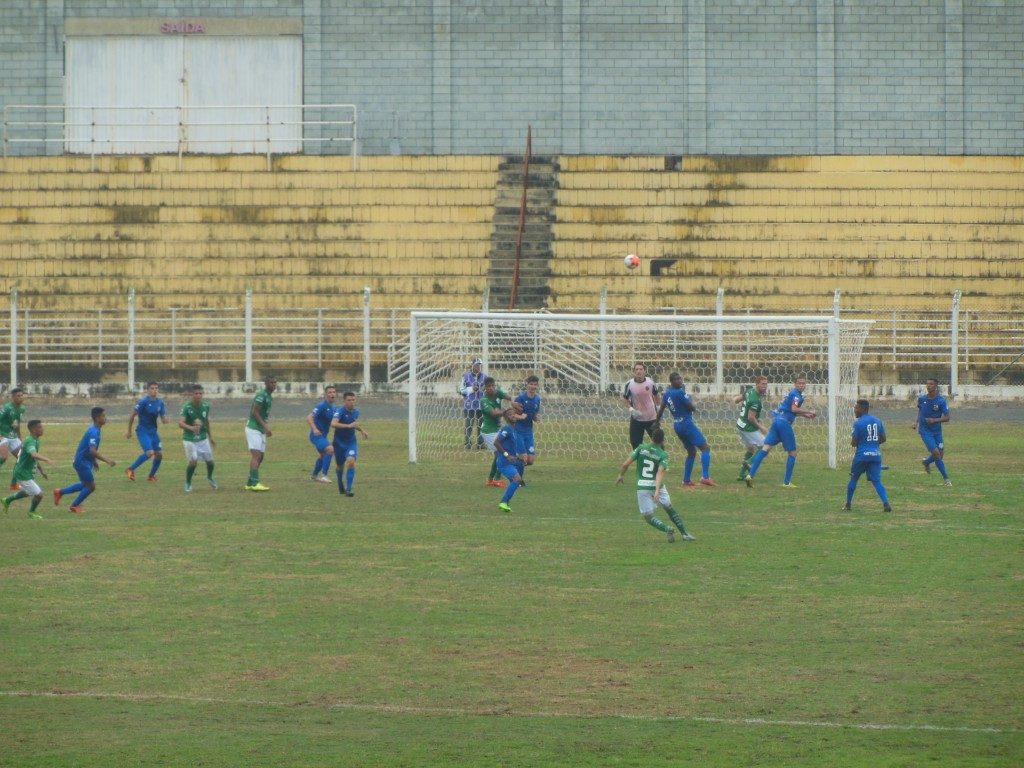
<point>236,129</point>
<point>62,346</point>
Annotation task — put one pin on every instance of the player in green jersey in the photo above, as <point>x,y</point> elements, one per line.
<point>651,463</point>
<point>748,424</point>
<point>197,437</point>
<point>25,469</point>
<point>257,431</point>
<point>10,426</point>
<point>490,406</point>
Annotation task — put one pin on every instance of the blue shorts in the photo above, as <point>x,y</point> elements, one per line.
<point>690,434</point>
<point>85,474</point>
<point>508,468</point>
<point>872,466</point>
<point>345,450</point>
<point>149,439</point>
<point>524,441</point>
<point>781,431</point>
<point>932,440</point>
<point>320,443</point>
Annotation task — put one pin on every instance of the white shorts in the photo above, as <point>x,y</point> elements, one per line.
<point>257,440</point>
<point>12,443</point>
<point>645,500</point>
<point>489,438</point>
<point>31,487</point>
<point>751,439</point>
<point>196,450</point>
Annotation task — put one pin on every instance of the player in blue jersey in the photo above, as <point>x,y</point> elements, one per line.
<point>868,436</point>
<point>932,413</point>
<point>87,458</point>
<point>346,424</point>
<point>781,431</point>
<point>149,411</point>
<point>319,426</point>
<point>529,401</point>
<point>509,455</point>
<point>680,405</point>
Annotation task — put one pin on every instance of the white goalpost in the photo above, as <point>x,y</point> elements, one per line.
<point>584,361</point>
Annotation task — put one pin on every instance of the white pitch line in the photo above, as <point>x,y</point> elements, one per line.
<point>497,711</point>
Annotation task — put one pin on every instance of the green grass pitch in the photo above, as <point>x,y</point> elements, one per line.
<point>414,624</point>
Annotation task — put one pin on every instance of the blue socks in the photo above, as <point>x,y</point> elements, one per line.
<point>82,496</point>
<point>155,467</point>
<point>139,462</point>
<point>705,463</point>
<point>350,477</point>
<point>325,463</point>
<point>758,458</point>
<point>790,463</point>
<point>509,492</point>
<point>688,469</point>
<point>941,465</point>
<point>318,467</point>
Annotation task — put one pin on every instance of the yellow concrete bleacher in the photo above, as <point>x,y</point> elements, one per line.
<point>310,232</point>
<point>781,234</point>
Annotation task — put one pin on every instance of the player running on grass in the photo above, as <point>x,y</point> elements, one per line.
<point>346,424</point>
<point>651,464</point>
<point>509,456</point>
<point>781,431</point>
<point>25,469</point>
<point>149,410</point>
<point>319,426</point>
<point>197,437</point>
<point>680,405</point>
<point>257,430</point>
<point>868,436</point>
<point>932,413</point>
<point>10,427</point>
<point>490,407</point>
<point>530,402</point>
<point>87,458</point>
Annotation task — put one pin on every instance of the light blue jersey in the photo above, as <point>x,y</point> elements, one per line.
<point>90,440</point>
<point>150,410</point>
<point>323,414</point>
<point>785,409</point>
<point>869,432</point>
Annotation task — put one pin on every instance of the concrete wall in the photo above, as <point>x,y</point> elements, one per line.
<point>625,76</point>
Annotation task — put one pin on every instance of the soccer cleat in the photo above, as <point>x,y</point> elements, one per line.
<point>250,487</point>
<point>7,504</point>
<point>688,537</point>
<point>688,484</point>
<point>350,494</point>
<point>151,479</point>
<point>846,507</point>
<point>504,507</point>
<point>708,482</point>
<point>749,480</point>
<point>130,473</point>
<point>884,467</point>
<point>260,487</point>
<point>212,482</point>
<point>489,483</point>
<point>76,510</point>
<point>948,483</point>
<point>35,516</point>
<point>789,485</point>
<point>324,479</point>
<point>670,535</point>
<point>56,495</point>
<point>927,466</point>
<point>188,487</point>
<point>886,508</point>
<point>14,486</point>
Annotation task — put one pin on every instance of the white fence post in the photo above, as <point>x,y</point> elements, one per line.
<point>366,339</point>
<point>719,347</point>
<point>485,329</point>
<point>602,374</point>
<point>954,345</point>
<point>412,389</point>
<point>14,337</point>
<point>131,339</point>
<point>248,334</point>
<point>835,304</point>
<point>833,390</point>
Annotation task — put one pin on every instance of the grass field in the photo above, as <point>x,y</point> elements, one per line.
<point>415,625</point>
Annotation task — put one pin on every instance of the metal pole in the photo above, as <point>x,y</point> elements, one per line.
<point>14,337</point>
<point>719,345</point>
<point>485,330</point>
<point>248,334</point>
<point>174,345</point>
<point>412,389</point>
<point>835,304</point>
<point>833,391</point>
<point>366,339</point>
<point>954,344</point>
<point>131,339</point>
<point>602,308</point>
<point>319,337</point>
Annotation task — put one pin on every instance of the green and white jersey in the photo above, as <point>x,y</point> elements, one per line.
<point>263,401</point>
<point>751,402</point>
<point>193,414</point>
<point>10,415</point>
<point>25,469</point>
<point>491,423</point>
<point>648,459</point>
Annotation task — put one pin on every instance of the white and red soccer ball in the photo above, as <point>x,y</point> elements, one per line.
<point>632,261</point>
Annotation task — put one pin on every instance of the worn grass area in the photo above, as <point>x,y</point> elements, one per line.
<point>414,624</point>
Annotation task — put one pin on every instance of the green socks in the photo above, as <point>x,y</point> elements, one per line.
<point>189,471</point>
<point>677,520</point>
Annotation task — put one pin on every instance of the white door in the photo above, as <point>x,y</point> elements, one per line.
<point>138,95</point>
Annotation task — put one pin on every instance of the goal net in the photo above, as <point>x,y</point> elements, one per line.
<point>584,361</point>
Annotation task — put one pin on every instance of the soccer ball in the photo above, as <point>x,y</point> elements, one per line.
<point>632,261</point>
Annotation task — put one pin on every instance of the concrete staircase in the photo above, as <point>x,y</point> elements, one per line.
<point>538,233</point>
